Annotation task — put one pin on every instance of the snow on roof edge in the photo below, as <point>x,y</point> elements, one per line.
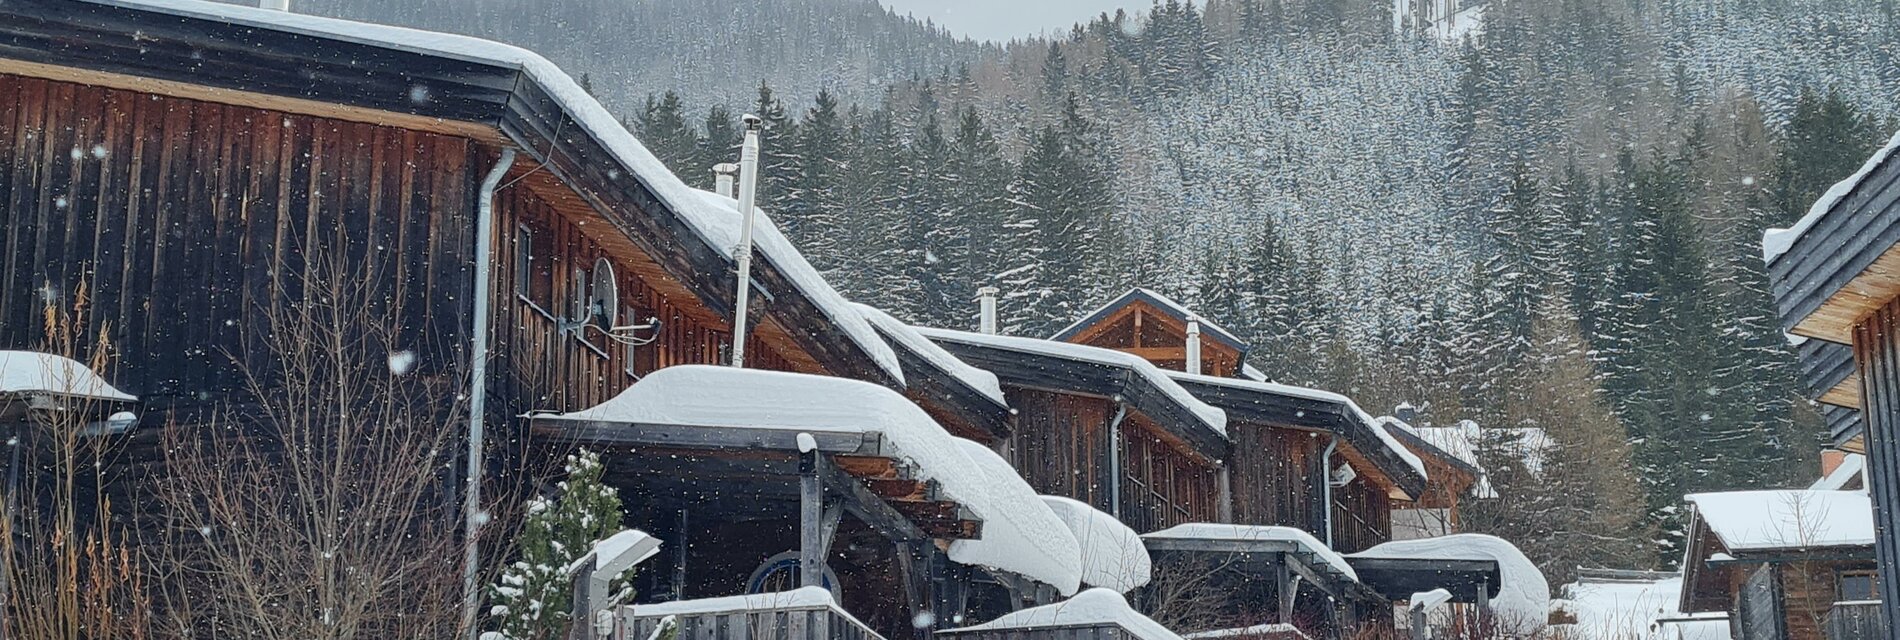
<point>1207,414</point>
<point>35,372</point>
<point>1257,533</point>
<point>586,111</point>
<point>1776,242</point>
<point>1165,302</point>
<point>1775,519</point>
<point>1411,459</point>
<point>980,380</point>
<point>1091,607</point>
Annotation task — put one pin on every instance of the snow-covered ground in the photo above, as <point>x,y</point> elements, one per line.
<point>1617,610</point>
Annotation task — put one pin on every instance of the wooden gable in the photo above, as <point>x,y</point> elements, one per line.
<point>1155,328</point>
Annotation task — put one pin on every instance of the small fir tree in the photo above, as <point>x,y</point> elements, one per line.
<point>532,598</point>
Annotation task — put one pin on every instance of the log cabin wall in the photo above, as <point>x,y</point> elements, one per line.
<point>1275,477</point>
<point>1362,516</point>
<point>1877,356</point>
<point>185,219</point>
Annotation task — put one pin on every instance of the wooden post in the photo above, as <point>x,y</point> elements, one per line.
<point>679,558</point>
<point>811,520</point>
<point>1285,588</point>
<point>1420,630</point>
<point>1484,596</point>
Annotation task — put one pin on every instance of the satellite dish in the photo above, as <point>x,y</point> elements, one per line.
<point>605,299</point>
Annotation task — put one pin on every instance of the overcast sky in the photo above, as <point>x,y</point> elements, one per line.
<point>1001,20</point>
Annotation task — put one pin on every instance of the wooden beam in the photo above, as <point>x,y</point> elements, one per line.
<point>1285,588</point>
<point>483,132</point>
<point>811,513</point>
<point>700,437</point>
<point>871,509</point>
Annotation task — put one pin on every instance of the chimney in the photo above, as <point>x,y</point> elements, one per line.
<point>1406,413</point>
<point>723,174</point>
<point>986,310</point>
<point>1831,459</point>
<point>1194,345</point>
<point>279,5</point>
<point>748,190</point>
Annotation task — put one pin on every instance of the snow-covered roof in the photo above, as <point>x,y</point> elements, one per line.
<point>1164,303</point>
<point>1411,459</point>
<point>1209,416</point>
<point>715,219</point>
<point>1276,630</point>
<point>1849,471</point>
<point>1020,533</point>
<point>800,598</point>
<point>1779,519</point>
<point>1091,607</point>
<point>1112,554</point>
<point>1775,242</point>
<point>1523,595</point>
<point>1256,533</point>
<point>1459,441</point>
<point>28,372</point>
<point>907,336</point>
<point>1630,609</point>
<point>718,221</point>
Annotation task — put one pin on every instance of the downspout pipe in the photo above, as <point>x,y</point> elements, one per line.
<point>1115,458</point>
<point>478,390</point>
<point>1326,487</point>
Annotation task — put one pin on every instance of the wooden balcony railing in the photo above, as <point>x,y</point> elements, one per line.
<point>1859,620</point>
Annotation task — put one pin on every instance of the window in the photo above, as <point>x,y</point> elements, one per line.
<point>1858,585</point>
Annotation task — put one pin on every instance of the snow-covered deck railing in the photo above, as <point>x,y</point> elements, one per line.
<point>1752,522</point>
<point>1274,631</point>
<point>810,612</point>
<point>1273,404</point>
<point>1095,614</point>
<point>1523,596</point>
<point>1093,370</point>
<point>1018,533</point>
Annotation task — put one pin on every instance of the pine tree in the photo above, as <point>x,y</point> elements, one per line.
<point>977,179</point>
<point>663,128</point>
<point>1825,141</point>
<point>531,600</point>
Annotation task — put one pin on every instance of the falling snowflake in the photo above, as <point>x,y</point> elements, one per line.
<point>402,362</point>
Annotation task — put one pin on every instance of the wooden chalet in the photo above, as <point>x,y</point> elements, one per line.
<point>1280,471</point>
<point>189,164</point>
<point>1832,278</point>
<point>1784,564</point>
<point>1104,428</point>
<point>1451,464</point>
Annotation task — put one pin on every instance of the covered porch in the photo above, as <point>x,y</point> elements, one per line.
<point>1264,574</point>
<point>769,481</point>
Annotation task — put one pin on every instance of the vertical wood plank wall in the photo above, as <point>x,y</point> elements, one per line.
<point>1362,516</point>
<point>1061,448</point>
<point>1274,472</point>
<point>1877,354</point>
<point>185,218</point>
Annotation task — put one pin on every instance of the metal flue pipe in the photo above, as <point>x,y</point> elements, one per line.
<point>1194,345</point>
<point>723,174</point>
<point>748,191</point>
<point>986,310</point>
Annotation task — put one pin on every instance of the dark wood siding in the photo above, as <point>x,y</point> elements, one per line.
<point>1362,516</point>
<point>1061,444</point>
<point>1877,353</point>
<point>1163,485</point>
<point>1275,477</point>
<point>184,218</point>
